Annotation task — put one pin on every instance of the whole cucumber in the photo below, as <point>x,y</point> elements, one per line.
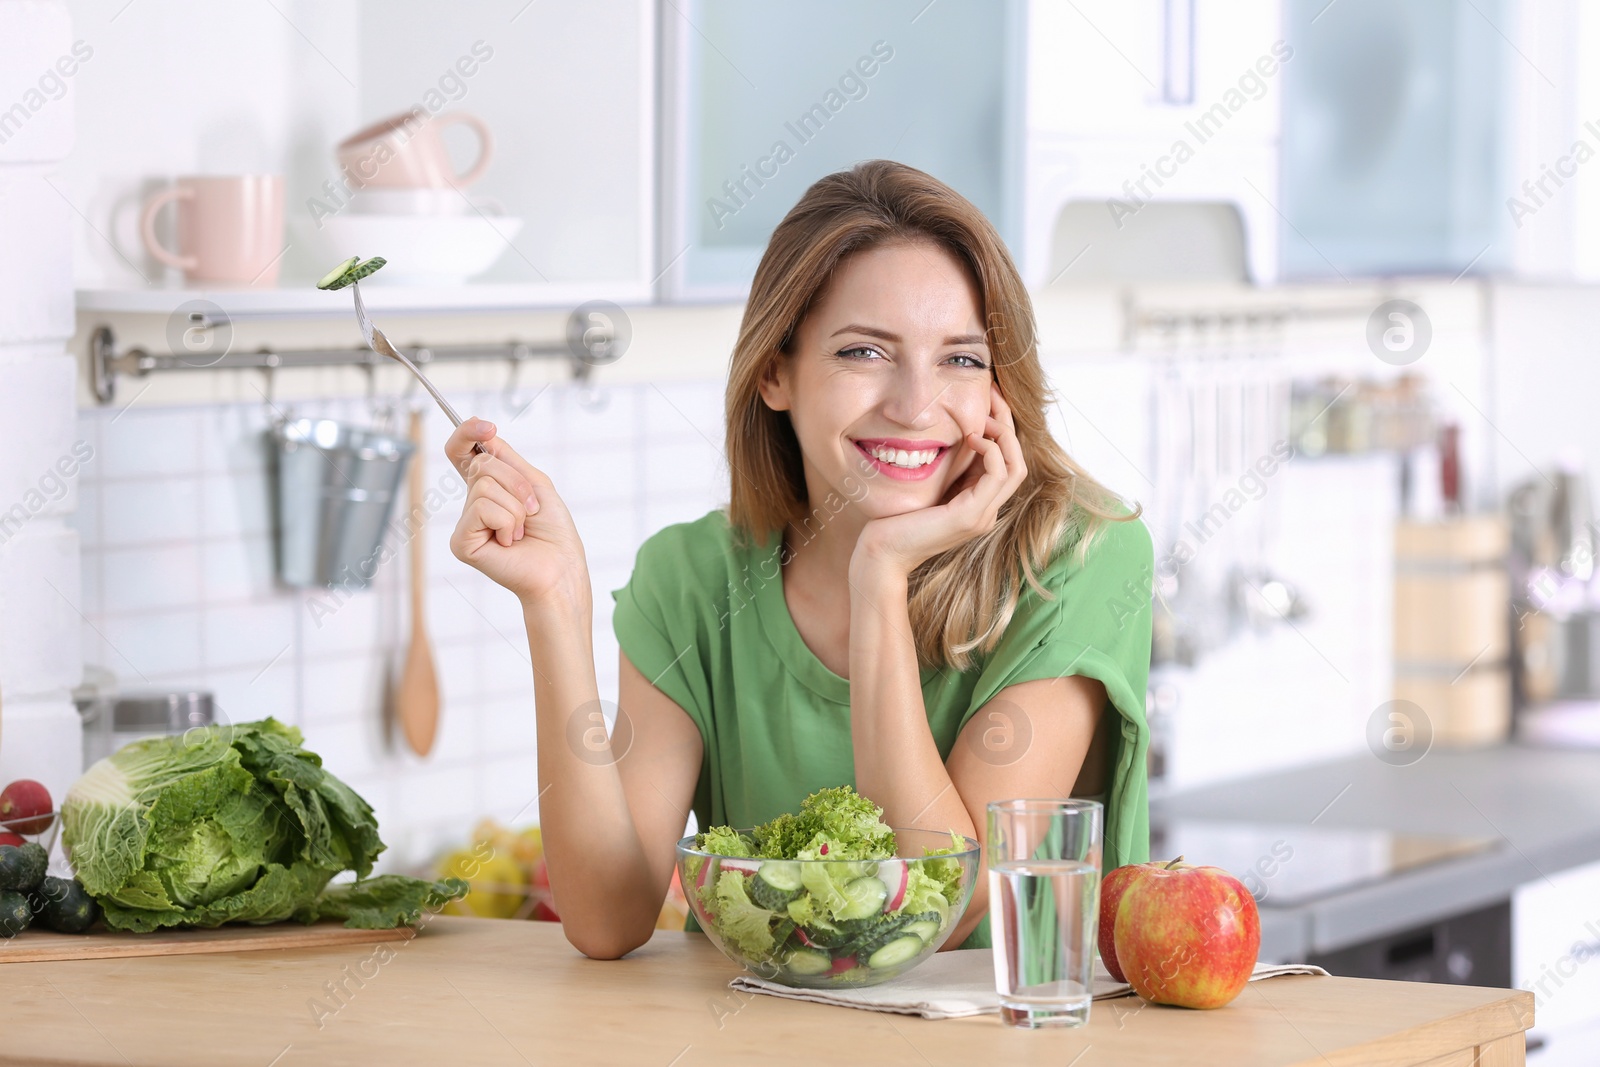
<point>22,866</point>
<point>15,912</point>
<point>67,906</point>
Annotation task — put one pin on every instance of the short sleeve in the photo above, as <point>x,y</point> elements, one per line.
<point>658,620</point>
<point>1097,626</point>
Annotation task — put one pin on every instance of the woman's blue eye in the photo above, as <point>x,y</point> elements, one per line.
<point>973,362</point>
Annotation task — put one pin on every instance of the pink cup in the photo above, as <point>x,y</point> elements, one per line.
<point>406,151</point>
<point>230,229</point>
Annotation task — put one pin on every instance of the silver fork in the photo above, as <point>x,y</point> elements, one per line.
<point>380,344</point>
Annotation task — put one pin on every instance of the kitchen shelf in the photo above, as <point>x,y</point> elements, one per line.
<point>306,300</point>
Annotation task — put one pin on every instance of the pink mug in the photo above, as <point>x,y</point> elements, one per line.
<point>405,151</point>
<point>230,229</point>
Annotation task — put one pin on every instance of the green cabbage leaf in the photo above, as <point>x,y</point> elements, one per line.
<point>231,823</point>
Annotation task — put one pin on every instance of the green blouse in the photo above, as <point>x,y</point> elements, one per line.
<point>708,624</point>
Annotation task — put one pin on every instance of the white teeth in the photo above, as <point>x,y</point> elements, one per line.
<point>901,458</point>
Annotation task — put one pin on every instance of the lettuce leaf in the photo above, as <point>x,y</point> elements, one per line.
<point>384,902</point>
<point>850,825</point>
<point>924,892</point>
<point>740,920</point>
<point>825,882</point>
<point>724,841</point>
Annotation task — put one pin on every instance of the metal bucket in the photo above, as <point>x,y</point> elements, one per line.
<point>336,486</point>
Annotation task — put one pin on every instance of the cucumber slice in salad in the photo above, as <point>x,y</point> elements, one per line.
<point>766,895</point>
<point>877,935</point>
<point>781,874</point>
<point>896,952</point>
<point>808,961</point>
<point>824,937</point>
<point>926,929</point>
<point>864,897</point>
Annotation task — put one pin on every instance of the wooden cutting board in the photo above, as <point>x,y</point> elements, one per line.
<point>36,946</point>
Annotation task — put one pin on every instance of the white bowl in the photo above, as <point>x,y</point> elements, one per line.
<point>420,249</point>
<point>378,201</point>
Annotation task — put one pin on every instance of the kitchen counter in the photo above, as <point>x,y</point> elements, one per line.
<point>515,993</point>
<point>1541,805</point>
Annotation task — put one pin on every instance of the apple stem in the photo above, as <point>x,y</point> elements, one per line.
<point>1174,863</point>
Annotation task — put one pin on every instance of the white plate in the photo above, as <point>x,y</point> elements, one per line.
<point>420,249</point>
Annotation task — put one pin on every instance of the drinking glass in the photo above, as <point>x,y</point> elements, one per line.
<point>1044,897</point>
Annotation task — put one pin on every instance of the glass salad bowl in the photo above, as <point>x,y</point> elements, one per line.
<point>825,923</point>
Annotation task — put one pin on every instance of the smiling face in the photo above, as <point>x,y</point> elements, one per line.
<point>887,374</point>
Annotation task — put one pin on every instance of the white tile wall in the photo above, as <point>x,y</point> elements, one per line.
<point>39,579</point>
<point>179,589</point>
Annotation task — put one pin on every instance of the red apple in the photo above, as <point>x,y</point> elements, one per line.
<point>1187,935</point>
<point>1111,889</point>
<point>25,807</point>
<point>9,838</point>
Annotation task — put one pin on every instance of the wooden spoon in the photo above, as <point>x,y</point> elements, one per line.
<point>417,702</point>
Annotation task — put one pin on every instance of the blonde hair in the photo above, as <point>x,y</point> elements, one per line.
<point>961,600</point>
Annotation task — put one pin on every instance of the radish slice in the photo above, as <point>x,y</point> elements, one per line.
<point>705,873</point>
<point>744,867</point>
<point>800,934</point>
<point>841,965</point>
<point>894,876</point>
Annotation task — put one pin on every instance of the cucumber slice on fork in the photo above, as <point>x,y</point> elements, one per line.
<point>337,273</point>
<point>351,270</point>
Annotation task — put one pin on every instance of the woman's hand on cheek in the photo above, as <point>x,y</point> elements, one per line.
<point>969,508</point>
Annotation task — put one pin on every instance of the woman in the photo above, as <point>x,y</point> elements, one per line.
<point>900,516</point>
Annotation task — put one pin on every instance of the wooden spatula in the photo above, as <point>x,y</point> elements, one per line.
<point>417,702</point>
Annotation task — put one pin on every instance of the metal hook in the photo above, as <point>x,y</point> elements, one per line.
<point>508,395</point>
<point>276,415</point>
<point>592,396</point>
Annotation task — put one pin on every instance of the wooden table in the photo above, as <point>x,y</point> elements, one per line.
<point>502,992</point>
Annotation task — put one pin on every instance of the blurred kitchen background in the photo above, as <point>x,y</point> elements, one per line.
<point>1316,285</point>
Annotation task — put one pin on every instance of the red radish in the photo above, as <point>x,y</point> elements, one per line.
<point>9,838</point>
<point>25,807</point>
<point>841,965</point>
<point>705,873</point>
<point>800,935</point>
<point>894,875</point>
<point>744,867</point>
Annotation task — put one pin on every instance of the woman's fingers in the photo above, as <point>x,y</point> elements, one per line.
<point>502,474</point>
<point>1011,448</point>
<point>476,431</point>
<point>488,489</point>
<point>491,517</point>
<point>458,447</point>
<point>498,448</point>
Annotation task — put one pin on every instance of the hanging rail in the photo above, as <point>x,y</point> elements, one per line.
<point>584,348</point>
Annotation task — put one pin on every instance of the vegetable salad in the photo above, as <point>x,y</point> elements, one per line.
<point>865,909</point>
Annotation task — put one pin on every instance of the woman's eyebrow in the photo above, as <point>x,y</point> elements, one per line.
<point>885,335</point>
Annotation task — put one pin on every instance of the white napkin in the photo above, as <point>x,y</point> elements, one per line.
<point>952,984</point>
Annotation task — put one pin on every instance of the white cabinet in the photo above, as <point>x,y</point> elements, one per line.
<point>1555,952</point>
<point>1094,68</point>
<point>1145,99</point>
<point>1133,69</point>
